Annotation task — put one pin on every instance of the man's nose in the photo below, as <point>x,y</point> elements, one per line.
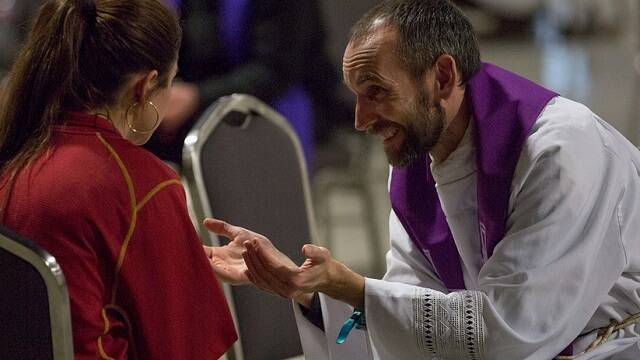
<point>363,116</point>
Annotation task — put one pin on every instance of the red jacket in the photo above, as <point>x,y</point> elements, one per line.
<point>115,218</point>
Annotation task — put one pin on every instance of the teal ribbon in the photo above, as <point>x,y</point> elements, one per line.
<point>357,319</point>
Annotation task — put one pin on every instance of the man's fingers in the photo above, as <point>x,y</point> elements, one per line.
<point>260,271</point>
<point>256,277</point>
<point>271,280</point>
<point>221,227</point>
<point>249,276</point>
<point>272,257</point>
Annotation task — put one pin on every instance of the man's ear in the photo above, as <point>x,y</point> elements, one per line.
<point>446,74</point>
<point>145,85</point>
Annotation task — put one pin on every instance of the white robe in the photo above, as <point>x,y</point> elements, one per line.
<point>568,264</point>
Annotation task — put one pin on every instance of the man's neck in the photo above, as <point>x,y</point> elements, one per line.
<point>453,133</point>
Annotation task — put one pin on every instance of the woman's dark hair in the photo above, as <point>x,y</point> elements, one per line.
<point>78,56</point>
<point>427,29</point>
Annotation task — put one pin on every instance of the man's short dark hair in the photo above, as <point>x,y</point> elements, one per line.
<point>427,29</point>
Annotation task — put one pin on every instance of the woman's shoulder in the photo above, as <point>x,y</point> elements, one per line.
<point>88,180</point>
<point>98,167</point>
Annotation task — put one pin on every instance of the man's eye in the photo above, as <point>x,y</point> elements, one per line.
<point>375,92</point>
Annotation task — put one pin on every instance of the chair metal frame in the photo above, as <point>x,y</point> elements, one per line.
<point>58,296</point>
<point>196,189</point>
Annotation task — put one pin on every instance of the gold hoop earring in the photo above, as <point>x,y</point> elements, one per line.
<point>130,122</point>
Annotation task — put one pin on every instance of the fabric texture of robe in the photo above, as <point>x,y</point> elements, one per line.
<point>115,218</point>
<point>568,263</point>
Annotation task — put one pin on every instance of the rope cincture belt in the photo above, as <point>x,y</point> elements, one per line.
<point>604,333</point>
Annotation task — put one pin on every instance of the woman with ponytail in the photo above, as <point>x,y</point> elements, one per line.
<point>89,86</point>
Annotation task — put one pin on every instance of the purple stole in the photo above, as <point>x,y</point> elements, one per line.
<point>505,107</point>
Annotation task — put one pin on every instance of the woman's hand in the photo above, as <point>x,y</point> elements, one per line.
<point>227,261</point>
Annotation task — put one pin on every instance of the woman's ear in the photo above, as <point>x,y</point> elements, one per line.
<point>145,85</point>
<point>446,74</point>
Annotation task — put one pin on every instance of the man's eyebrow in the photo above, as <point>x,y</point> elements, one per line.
<point>366,76</point>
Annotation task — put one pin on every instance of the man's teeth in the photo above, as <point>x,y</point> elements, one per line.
<point>388,133</point>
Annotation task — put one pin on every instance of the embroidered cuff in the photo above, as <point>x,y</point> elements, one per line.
<point>450,326</point>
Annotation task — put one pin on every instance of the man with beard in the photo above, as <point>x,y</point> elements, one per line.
<point>515,212</point>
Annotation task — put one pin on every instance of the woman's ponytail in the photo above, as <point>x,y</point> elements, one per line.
<point>77,57</point>
<point>39,80</point>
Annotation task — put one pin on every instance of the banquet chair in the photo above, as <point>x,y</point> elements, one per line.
<point>243,163</point>
<point>35,322</point>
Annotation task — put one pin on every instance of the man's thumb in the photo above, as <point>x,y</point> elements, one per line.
<point>315,253</point>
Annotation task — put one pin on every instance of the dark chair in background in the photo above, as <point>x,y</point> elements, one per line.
<point>35,322</point>
<point>243,164</point>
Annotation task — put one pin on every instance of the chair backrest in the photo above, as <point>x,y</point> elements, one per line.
<point>35,322</point>
<point>243,164</point>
